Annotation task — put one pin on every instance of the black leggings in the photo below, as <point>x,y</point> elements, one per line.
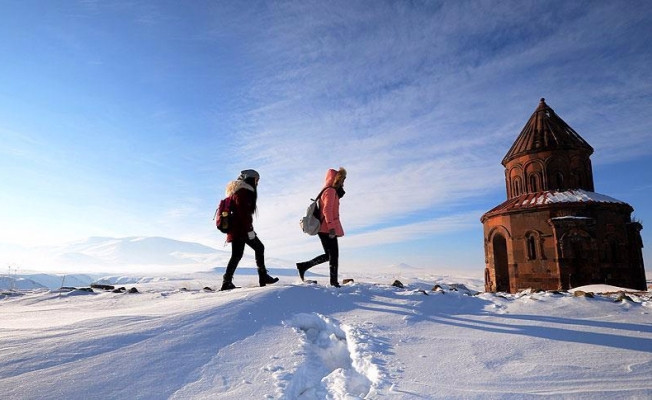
<point>237,251</point>
<point>331,249</point>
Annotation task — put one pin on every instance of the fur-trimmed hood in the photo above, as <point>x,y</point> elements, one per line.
<point>236,185</point>
<point>335,178</point>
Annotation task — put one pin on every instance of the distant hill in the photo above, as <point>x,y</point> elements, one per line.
<point>135,250</point>
<point>18,283</point>
<point>43,281</point>
<point>140,256</point>
<point>104,255</point>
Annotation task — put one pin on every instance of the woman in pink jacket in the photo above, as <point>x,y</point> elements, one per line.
<point>331,228</point>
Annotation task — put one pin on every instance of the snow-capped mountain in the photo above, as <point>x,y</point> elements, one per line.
<point>97,255</point>
<point>134,251</point>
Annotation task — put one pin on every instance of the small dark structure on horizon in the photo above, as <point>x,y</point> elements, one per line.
<point>554,232</point>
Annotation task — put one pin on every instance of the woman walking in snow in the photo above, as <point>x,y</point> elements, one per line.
<point>331,228</point>
<point>244,193</point>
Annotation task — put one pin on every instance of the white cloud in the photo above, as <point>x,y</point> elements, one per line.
<point>402,233</point>
<point>419,103</point>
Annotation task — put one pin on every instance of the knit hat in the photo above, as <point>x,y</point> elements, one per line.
<point>248,173</point>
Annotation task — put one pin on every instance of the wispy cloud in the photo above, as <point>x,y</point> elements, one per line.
<point>411,231</point>
<point>420,103</point>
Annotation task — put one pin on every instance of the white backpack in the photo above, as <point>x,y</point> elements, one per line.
<point>311,222</point>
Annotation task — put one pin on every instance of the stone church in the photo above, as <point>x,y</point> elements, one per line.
<point>554,232</point>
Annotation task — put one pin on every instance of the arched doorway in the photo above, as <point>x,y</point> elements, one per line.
<point>499,245</point>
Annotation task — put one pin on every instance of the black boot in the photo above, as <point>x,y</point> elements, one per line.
<point>227,285</point>
<point>265,279</point>
<point>304,266</point>
<point>333,271</point>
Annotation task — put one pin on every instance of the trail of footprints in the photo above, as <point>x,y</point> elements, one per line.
<point>333,365</point>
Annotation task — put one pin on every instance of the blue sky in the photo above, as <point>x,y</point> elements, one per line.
<point>128,118</point>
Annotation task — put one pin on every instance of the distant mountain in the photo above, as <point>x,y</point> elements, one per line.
<point>57,281</point>
<point>141,256</point>
<point>135,250</point>
<point>18,283</point>
<point>43,281</point>
<point>123,255</point>
<point>130,254</point>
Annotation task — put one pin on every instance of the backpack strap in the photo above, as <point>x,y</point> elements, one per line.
<point>320,193</point>
<point>321,218</point>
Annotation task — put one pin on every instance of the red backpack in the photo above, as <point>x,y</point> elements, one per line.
<point>223,215</point>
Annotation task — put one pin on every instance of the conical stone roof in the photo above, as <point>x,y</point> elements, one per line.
<point>545,131</point>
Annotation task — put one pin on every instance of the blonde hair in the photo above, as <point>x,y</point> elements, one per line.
<point>340,177</point>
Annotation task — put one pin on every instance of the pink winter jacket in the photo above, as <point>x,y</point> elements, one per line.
<point>329,204</point>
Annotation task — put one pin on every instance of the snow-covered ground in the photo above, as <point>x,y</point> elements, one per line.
<point>291,340</point>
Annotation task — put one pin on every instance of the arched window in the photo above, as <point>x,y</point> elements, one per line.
<point>556,181</point>
<point>531,247</point>
<point>517,187</point>
<point>534,183</point>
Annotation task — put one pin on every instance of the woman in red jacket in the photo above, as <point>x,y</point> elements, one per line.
<point>244,193</point>
<point>331,228</point>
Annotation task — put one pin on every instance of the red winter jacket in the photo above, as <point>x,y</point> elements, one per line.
<point>329,204</point>
<point>242,204</point>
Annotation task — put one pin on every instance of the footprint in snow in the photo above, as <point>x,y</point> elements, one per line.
<point>332,365</point>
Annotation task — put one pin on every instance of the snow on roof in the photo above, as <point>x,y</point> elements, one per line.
<point>549,197</point>
<point>568,196</point>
